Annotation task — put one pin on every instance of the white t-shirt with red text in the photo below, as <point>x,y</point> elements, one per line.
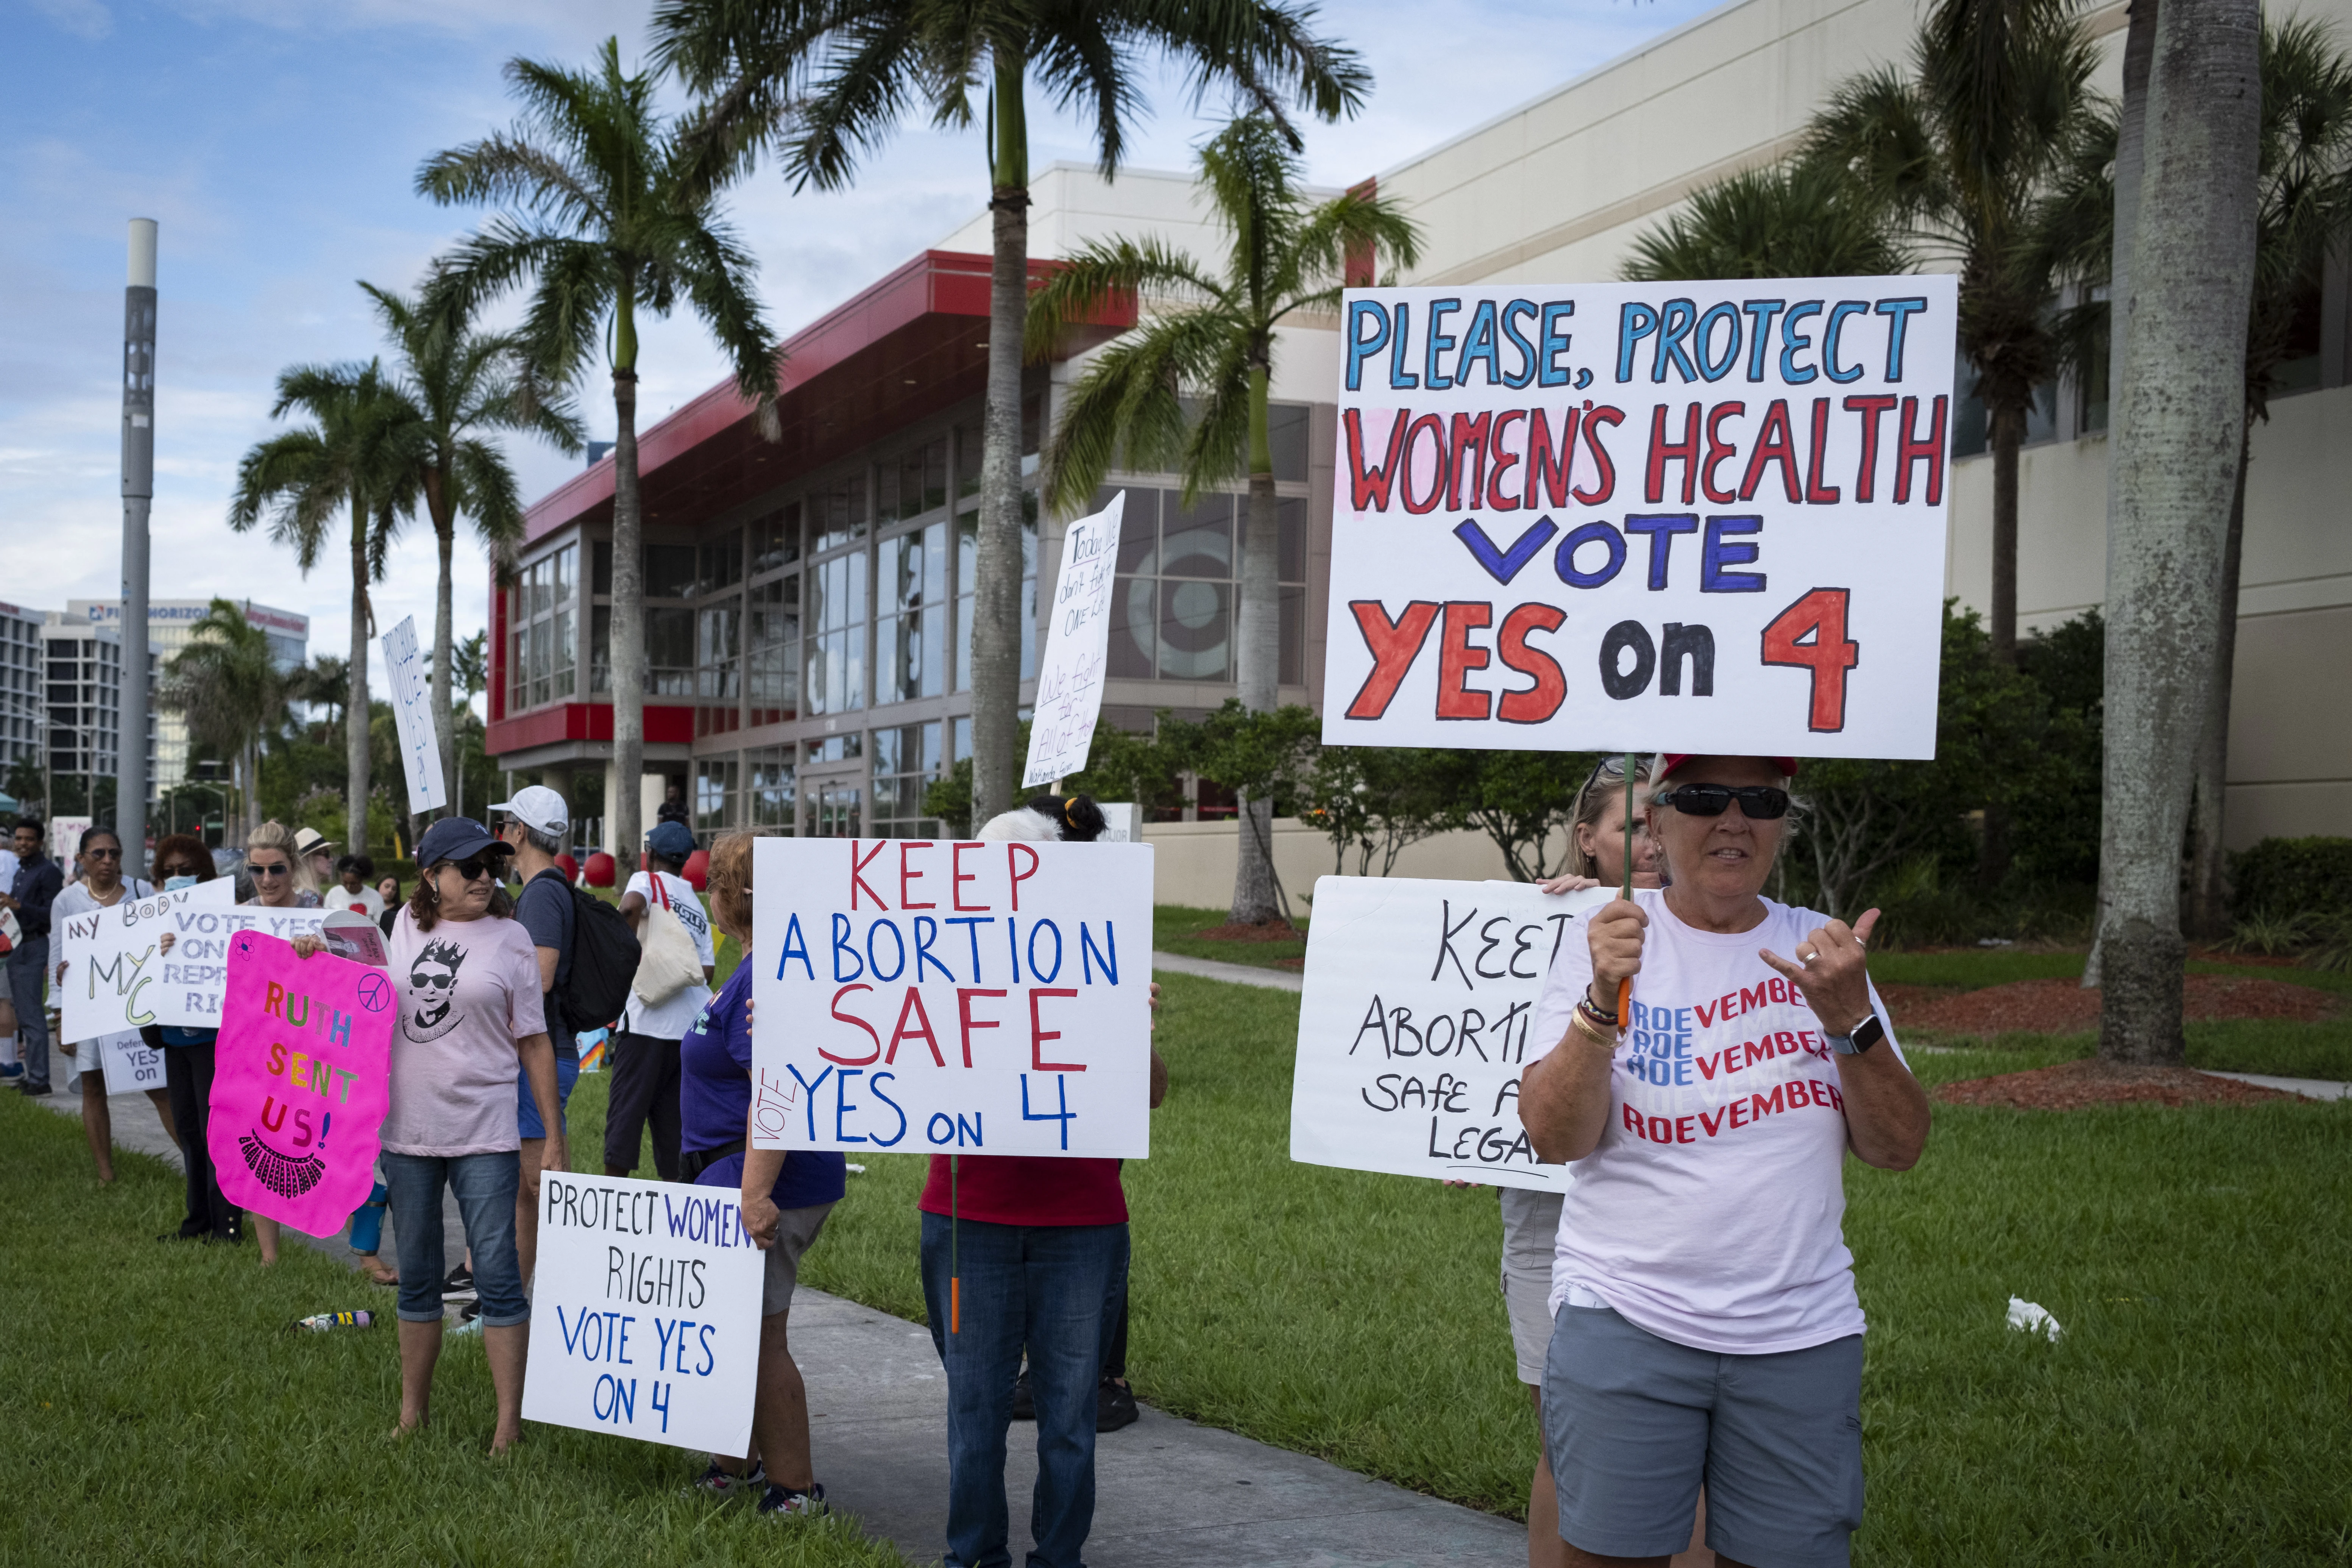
<point>1711,1212</point>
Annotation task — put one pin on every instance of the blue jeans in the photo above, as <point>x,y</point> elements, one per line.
<point>1044,1289</point>
<point>26,979</point>
<point>486,1185</point>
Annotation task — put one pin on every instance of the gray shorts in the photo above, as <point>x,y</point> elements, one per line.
<point>1633,1423</point>
<point>795,1230</point>
<point>1531,1235</point>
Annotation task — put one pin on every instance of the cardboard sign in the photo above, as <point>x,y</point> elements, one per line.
<point>130,1063</point>
<point>195,971</point>
<point>645,1321</point>
<point>1692,517</point>
<point>1415,1022</point>
<point>1078,649</point>
<point>986,998</point>
<point>114,964</point>
<point>64,838</point>
<point>412,712</point>
<point>301,1081</point>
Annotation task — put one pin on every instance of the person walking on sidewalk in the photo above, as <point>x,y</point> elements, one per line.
<point>31,893</point>
<point>538,822</point>
<point>645,1082</point>
<point>103,885</point>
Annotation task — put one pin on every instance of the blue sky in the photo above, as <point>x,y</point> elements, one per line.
<point>276,141</point>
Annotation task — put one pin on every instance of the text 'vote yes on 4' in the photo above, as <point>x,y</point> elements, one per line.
<point>1469,951</point>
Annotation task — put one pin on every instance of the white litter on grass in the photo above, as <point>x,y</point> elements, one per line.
<point>853,1170</point>
<point>2033,1318</point>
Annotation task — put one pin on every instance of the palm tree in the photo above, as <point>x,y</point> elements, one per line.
<point>1963,149</point>
<point>349,457</point>
<point>1209,334</point>
<point>226,684</point>
<point>2179,412</point>
<point>611,215</point>
<point>325,682</point>
<point>1793,220</point>
<point>463,385</point>
<point>864,65</point>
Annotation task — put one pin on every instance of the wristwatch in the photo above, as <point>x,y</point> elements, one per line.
<point>1866,1034</point>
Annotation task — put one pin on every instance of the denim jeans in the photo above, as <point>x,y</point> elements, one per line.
<point>26,983</point>
<point>1043,1288</point>
<point>486,1185</point>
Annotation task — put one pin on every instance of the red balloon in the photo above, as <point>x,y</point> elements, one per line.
<point>698,870</point>
<point>599,869</point>
<point>569,866</point>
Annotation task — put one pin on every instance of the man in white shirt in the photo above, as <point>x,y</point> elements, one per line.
<point>644,1080</point>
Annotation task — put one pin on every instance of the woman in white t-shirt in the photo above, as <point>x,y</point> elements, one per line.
<point>1705,1323</point>
<point>351,889</point>
<point>102,886</point>
<point>646,1074</point>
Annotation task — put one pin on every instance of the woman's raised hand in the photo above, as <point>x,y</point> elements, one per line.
<point>1615,936</point>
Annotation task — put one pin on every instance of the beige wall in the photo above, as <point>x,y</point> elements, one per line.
<point>1193,861</point>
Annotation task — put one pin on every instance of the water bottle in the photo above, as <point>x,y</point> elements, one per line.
<point>321,1322</point>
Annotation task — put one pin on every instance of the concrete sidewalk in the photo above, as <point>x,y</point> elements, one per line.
<point>1237,974</point>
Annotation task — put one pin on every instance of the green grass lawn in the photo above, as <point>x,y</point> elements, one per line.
<point>1172,926</point>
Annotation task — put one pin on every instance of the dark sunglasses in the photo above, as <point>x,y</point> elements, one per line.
<point>278,869</point>
<point>102,854</point>
<point>1758,802</point>
<point>473,870</point>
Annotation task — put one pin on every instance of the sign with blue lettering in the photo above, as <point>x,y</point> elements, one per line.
<point>940,997</point>
<point>412,714</point>
<point>1685,517</point>
<point>645,1321</point>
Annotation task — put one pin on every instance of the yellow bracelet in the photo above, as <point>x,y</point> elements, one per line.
<point>1584,1026</point>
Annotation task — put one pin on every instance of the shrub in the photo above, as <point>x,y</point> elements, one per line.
<point>2280,879</point>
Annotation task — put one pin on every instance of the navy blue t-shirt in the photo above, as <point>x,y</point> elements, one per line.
<point>545,911</point>
<point>714,1100</point>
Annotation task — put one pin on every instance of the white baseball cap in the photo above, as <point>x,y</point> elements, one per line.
<point>537,806</point>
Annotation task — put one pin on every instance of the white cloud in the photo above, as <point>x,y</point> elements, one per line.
<point>82,18</point>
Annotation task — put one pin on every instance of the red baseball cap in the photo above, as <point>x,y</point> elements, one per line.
<point>1675,760</point>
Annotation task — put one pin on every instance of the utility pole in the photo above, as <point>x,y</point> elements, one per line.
<point>138,492</point>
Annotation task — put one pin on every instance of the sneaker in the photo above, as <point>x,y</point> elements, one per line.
<point>469,1318</point>
<point>722,1486</point>
<point>33,1090</point>
<point>1115,1406</point>
<point>12,1072</point>
<point>1024,1402</point>
<point>460,1283</point>
<point>794,1504</point>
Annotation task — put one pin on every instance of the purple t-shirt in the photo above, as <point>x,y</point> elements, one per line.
<point>714,1101</point>
<point>468,990</point>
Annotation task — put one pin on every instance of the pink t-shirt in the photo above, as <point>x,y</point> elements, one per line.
<point>468,991</point>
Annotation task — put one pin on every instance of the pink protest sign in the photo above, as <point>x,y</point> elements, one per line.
<point>300,1082</point>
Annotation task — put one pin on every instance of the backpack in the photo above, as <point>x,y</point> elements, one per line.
<point>604,962</point>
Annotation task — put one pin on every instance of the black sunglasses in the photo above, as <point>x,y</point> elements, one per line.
<point>102,854</point>
<point>277,869</point>
<point>473,870</point>
<point>1758,802</point>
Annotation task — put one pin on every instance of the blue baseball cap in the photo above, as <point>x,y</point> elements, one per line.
<point>673,841</point>
<point>458,838</point>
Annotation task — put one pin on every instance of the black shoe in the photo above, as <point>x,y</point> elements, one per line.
<point>32,1091</point>
<point>1025,1404</point>
<point>1115,1406</point>
<point>460,1282</point>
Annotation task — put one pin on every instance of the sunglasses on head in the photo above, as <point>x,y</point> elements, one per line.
<point>1758,802</point>
<point>270,868</point>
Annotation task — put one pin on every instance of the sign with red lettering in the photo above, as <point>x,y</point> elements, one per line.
<point>982,998</point>
<point>1697,517</point>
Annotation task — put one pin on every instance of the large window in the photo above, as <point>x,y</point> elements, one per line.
<point>714,796</point>
<point>540,636</point>
<point>771,803</point>
<point>1178,593</point>
<point>836,650</point>
<point>911,637</point>
<point>906,761</point>
<point>774,656</point>
<point>968,572</point>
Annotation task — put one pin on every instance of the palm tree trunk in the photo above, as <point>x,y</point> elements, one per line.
<point>996,592</point>
<point>445,532</point>
<point>2181,418</point>
<point>2008,435</point>
<point>628,640</point>
<point>1258,647</point>
<point>355,697</point>
<point>2209,893</point>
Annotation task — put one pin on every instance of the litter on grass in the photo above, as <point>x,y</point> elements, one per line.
<point>853,1170</point>
<point>2033,1318</point>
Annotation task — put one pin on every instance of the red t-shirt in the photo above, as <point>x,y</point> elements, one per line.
<point>1020,1189</point>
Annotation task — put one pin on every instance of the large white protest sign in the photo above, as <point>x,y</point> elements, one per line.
<point>644,1321</point>
<point>1697,517</point>
<point>195,971</point>
<point>412,712</point>
<point>1415,1024</point>
<point>1078,648</point>
<point>115,964</point>
<point>989,998</point>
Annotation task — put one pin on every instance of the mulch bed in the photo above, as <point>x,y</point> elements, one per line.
<point>2064,1007</point>
<point>1275,930</point>
<point>2073,1085</point>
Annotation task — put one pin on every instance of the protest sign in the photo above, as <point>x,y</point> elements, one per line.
<point>645,1318</point>
<point>1416,1020</point>
<point>1078,648</point>
<point>1695,517</point>
<point>64,838</point>
<point>412,714</point>
<point>992,998</point>
<point>114,967</point>
<point>195,971</point>
<point>301,1081</point>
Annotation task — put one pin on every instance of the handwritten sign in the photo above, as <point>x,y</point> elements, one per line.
<point>195,971</point>
<point>1694,517</point>
<point>1415,1022</point>
<point>992,998</point>
<point>412,713</point>
<point>1078,648</point>
<point>114,964</point>
<point>300,1082</point>
<point>646,1319</point>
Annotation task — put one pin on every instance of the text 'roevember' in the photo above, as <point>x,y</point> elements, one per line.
<point>1699,517</point>
<point>646,1319</point>
<point>1418,1017</point>
<point>981,997</point>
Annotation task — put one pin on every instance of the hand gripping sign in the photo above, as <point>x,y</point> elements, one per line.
<point>982,998</point>
<point>300,1082</point>
<point>1691,516</point>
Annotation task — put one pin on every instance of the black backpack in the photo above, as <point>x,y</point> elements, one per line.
<point>603,960</point>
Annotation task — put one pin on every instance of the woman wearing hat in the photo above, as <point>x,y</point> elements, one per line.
<point>1706,1325</point>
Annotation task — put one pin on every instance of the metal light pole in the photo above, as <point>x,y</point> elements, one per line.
<point>138,491</point>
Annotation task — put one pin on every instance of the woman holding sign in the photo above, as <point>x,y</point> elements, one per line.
<point>1706,1325</point>
<point>102,886</point>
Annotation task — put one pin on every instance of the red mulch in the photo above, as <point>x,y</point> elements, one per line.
<point>2064,1007</point>
<point>1275,930</point>
<point>2072,1086</point>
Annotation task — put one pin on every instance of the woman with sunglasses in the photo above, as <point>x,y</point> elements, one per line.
<point>1705,1321</point>
<point>101,886</point>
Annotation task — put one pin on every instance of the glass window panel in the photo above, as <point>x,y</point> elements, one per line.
<point>567,562</point>
<point>600,649</point>
<point>1195,640</point>
<point>1290,519</point>
<point>1134,627</point>
<point>1198,541</point>
<point>935,475</point>
<point>771,802</point>
<point>967,459</point>
<point>669,570</point>
<point>1286,428</point>
<point>776,538</point>
<point>669,651</point>
<point>775,649</point>
<point>837,514</point>
<point>603,567</point>
<point>714,793</point>
<point>561,655</point>
<point>722,561</point>
<point>1139,530</point>
<point>837,810</point>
